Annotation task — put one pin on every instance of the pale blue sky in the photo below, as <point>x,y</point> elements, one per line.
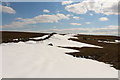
<point>62,19</point>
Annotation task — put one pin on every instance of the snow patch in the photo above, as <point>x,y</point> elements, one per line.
<point>36,38</point>
<point>116,41</point>
<point>39,60</point>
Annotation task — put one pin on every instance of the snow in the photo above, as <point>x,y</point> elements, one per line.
<point>15,39</point>
<point>0,63</point>
<point>59,40</point>
<point>39,60</point>
<point>40,37</point>
<point>116,41</point>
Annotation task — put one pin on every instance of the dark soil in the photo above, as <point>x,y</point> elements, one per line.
<point>8,36</point>
<point>108,54</point>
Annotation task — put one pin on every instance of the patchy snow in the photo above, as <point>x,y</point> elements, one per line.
<point>116,41</point>
<point>15,39</point>
<point>39,60</point>
<point>36,38</point>
<point>59,40</point>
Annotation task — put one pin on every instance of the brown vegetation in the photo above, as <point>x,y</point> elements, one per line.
<point>109,53</point>
<point>8,36</point>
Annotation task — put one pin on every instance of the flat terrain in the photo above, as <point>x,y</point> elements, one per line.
<point>108,54</point>
<point>8,36</point>
<point>44,59</point>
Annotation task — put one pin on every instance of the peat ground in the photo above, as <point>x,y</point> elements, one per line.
<point>108,54</point>
<point>8,36</point>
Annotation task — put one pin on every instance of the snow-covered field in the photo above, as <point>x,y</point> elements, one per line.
<point>39,60</point>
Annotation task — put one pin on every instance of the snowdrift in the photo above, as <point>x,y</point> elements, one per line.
<point>37,59</point>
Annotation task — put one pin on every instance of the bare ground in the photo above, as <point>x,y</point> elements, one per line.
<point>108,54</point>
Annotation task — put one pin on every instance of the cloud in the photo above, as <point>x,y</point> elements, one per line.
<point>103,19</point>
<point>76,17</point>
<point>91,14</point>
<point>50,18</point>
<point>6,9</point>
<point>87,22</point>
<point>66,2</point>
<point>69,15</point>
<point>77,24</point>
<point>38,19</point>
<point>45,10</point>
<point>76,8</point>
<point>108,30</point>
<point>98,6</point>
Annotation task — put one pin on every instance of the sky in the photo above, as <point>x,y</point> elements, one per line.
<point>85,17</point>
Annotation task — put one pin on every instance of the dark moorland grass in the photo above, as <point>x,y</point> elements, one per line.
<point>109,53</point>
<point>8,36</point>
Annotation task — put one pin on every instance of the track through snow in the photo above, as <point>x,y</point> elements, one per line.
<point>39,60</point>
